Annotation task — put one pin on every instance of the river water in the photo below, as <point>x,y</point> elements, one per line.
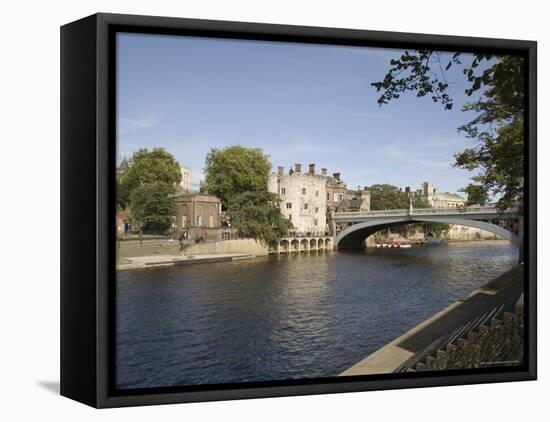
<point>286,317</point>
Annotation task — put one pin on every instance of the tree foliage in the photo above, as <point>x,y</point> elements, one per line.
<point>497,128</point>
<point>153,206</point>
<point>390,197</point>
<point>234,170</point>
<point>146,167</point>
<point>257,214</point>
<point>477,195</point>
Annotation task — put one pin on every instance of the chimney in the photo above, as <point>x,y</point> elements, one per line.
<point>280,170</point>
<point>324,172</point>
<point>312,169</point>
<point>336,176</point>
<point>297,168</point>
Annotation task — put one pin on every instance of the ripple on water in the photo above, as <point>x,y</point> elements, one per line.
<point>286,317</point>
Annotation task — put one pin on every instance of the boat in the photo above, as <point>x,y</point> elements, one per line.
<point>399,245</point>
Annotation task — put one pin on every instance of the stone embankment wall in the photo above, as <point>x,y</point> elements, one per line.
<point>499,345</point>
<point>465,334</point>
<point>242,246</point>
<point>133,248</point>
<point>465,233</point>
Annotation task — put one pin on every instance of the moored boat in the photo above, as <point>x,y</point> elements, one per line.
<point>400,245</point>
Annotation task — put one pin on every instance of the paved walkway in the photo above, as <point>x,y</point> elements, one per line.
<point>174,260</point>
<point>504,290</point>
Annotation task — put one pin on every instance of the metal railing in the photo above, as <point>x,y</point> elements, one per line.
<point>427,211</point>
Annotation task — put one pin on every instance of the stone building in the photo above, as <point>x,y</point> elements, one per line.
<point>303,197</point>
<point>356,200</point>
<point>198,213</point>
<point>336,191</point>
<point>122,167</point>
<point>123,222</point>
<point>185,184</point>
<point>438,199</point>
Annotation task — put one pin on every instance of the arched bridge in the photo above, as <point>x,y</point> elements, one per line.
<point>361,224</point>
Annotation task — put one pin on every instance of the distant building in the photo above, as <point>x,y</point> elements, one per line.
<point>122,167</point>
<point>123,222</point>
<point>303,197</point>
<point>185,183</point>
<point>198,213</point>
<point>438,199</point>
<point>356,200</point>
<point>336,191</point>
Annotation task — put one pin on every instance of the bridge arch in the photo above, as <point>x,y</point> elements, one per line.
<point>353,237</point>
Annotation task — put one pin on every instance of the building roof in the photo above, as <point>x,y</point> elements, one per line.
<point>447,196</point>
<point>123,164</point>
<point>203,196</point>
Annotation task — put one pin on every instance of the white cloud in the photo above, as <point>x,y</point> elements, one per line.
<point>415,158</point>
<point>128,125</point>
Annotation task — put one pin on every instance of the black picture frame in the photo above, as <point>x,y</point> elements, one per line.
<point>87,197</point>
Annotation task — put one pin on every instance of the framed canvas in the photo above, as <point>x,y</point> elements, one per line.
<point>255,210</point>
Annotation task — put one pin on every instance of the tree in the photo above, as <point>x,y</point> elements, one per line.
<point>234,170</point>
<point>257,214</point>
<point>147,167</point>
<point>477,195</point>
<point>498,126</point>
<point>153,206</point>
<point>390,197</point>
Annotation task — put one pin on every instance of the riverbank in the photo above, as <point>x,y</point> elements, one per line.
<point>450,337</point>
<point>133,254</point>
<point>177,260</point>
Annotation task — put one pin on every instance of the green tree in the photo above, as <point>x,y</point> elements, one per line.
<point>147,167</point>
<point>390,197</point>
<point>477,195</point>
<point>234,170</point>
<point>153,206</point>
<point>257,214</point>
<point>498,126</point>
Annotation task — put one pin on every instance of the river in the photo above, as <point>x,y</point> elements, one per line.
<point>286,317</point>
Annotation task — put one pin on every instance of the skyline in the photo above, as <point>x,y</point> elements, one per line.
<point>300,103</point>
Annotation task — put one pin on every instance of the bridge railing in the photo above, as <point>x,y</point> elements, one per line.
<point>426,211</point>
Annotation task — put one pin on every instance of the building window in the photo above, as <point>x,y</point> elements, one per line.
<point>316,210</point>
<point>341,196</point>
<point>283,191</point>
<point>316,193</point>
<point>303,191</point>
<point>328,196</point>
<point>335,197</point>
<point>306,206</point>
<point>315,222</point>
<point>289,205</point>
<point>289,217</point>
<point>210,221</point>
<point>183,221</point>
<point>199,221</point>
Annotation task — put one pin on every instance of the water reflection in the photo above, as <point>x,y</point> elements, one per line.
<point>286,317</point>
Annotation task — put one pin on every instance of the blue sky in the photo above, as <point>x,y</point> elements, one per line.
<point>300,103</point>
